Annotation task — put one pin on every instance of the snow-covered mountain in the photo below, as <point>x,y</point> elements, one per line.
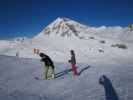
<point>63,27</point>
<point>64,34</point>
<point>67,28</point>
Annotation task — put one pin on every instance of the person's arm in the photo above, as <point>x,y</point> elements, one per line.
<point>42,59</point>
<point>69,61</point>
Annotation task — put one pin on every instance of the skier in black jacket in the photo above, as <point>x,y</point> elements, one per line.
<point>48,63</point>
<point>73,63</point>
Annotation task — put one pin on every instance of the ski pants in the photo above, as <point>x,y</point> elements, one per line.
<point>46,72</point>
<point>74,69</point>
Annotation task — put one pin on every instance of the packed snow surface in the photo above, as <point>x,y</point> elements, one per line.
<point>17,80</point>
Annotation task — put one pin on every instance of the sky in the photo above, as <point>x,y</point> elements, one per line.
<point>29,17</point>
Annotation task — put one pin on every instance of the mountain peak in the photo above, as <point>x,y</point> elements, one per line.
<point>63,27</point>
<point>63,19</point>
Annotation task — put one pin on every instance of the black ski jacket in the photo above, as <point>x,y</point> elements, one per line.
<point>73,59</point>
<point>47,61</point>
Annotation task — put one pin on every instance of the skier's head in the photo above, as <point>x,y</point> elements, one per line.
<point>41,54</point>
<point>72,52</point>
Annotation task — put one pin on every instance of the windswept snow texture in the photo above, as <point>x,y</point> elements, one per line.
<point>17,80</point>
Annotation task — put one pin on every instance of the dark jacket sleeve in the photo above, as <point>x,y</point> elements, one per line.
<point>41,60</point>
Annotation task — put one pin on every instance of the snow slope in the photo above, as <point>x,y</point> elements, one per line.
<point>97,52</point>
<point>17,80</point>
<point>64,34</point>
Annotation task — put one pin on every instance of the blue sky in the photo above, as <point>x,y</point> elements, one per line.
<point>29,17</point>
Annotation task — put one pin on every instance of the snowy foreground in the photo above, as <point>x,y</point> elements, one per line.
<point>17,80</point>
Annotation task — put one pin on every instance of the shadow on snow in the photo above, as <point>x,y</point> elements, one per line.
<point>110,92</point>
<point>66,71</point>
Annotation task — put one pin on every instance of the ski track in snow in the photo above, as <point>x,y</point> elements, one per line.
<point>17,80</point>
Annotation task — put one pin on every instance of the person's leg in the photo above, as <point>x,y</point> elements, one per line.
<point>74,69</point>
<point>45,75</point>
<point>53,73</point>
